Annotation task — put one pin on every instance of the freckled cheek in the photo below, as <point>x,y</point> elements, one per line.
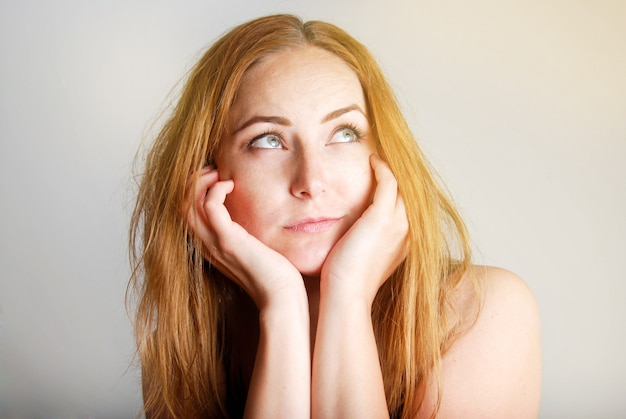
<point>251,204</point>
<point>368,193</point>
<point>362,184</point>
<point>240,203</point>
<point>242,206</point>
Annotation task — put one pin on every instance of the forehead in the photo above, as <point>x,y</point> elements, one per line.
<point>297,78</point>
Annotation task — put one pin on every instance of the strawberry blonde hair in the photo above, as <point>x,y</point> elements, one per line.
<point>184,310</point>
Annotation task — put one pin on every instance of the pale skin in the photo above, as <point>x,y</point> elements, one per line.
<point>302,214</point>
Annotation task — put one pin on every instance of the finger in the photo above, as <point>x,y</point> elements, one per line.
<point>196,193</point>
<point>197,185</point>
<point>208,217</point>
<point>192,180</point>
<point>400,217</point>
<point>205,181</point>
<point>218,191</point>
<point>214,209</point>
<point>387,199</point>
<point>386,192</point>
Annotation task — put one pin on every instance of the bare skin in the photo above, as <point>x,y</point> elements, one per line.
<point>308,221</point>
<point>493,370</point>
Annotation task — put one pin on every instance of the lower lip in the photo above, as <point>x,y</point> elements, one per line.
<point>314,226</point>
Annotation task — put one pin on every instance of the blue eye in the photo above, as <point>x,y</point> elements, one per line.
<point>346,135</point>
<point>266,141</point>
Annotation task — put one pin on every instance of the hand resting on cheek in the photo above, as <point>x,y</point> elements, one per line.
<point>359,263</point>
<point>263,273</point>
<point>363,259</point>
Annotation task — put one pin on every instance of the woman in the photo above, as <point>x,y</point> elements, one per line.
<point>297,257</point>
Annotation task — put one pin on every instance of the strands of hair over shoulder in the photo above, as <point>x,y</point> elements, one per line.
<point>188,361</point>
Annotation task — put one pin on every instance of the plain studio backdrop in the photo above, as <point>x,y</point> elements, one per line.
<point>521,106</point>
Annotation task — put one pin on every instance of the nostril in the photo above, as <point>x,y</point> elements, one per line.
<point>309,179</point>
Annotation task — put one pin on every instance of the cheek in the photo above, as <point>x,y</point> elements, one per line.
<point>359,184</point>
<point>243,205</point>
<point>254,204</point>
<point>367,194</point>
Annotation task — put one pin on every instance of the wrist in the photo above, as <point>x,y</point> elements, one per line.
<point>281,291</point>
<point>343,293</point>
<point>344,303</point>
<point>287,304</point>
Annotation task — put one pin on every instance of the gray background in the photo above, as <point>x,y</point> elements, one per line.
<point>521,106</point>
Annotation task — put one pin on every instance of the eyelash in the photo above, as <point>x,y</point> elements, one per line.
<point>357,132</point>
<point>265,133</point>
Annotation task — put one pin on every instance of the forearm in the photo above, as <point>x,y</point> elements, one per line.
<point>346,376</point>
<point>280,385</point>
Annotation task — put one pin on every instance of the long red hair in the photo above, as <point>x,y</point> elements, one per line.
<point>188,358</point>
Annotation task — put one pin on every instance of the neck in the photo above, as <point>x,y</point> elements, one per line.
<point>312,285</point>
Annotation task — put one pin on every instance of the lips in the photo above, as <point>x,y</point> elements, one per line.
<point>313,225</point>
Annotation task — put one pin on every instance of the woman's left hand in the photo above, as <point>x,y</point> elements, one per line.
<point>347,380</point>
<point>373,247</point>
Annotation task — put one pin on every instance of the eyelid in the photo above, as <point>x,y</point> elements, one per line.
<point>358,133</point>
<point>267,133</point>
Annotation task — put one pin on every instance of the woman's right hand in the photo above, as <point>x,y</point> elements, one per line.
<point>266,275</point>
<point>280,385</point>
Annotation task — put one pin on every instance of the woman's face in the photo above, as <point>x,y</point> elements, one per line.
<point>298,148</point>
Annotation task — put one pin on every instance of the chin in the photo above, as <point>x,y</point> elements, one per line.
<point>308,257</point>
<point>311,273</point>
<point>308,265</point>
<point>308,268</point>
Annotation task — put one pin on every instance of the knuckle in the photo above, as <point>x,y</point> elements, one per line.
<point>391,179</point>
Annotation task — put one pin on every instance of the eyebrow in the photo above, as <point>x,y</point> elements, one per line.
<point>336,114</point>
<point>259,119</point>
<point>278,120</point>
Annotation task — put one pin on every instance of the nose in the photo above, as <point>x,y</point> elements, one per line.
<point>309,175</point>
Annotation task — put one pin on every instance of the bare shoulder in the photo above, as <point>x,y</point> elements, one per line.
<point>493,369</point>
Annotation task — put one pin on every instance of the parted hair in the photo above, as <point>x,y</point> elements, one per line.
<point>190,360</point>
